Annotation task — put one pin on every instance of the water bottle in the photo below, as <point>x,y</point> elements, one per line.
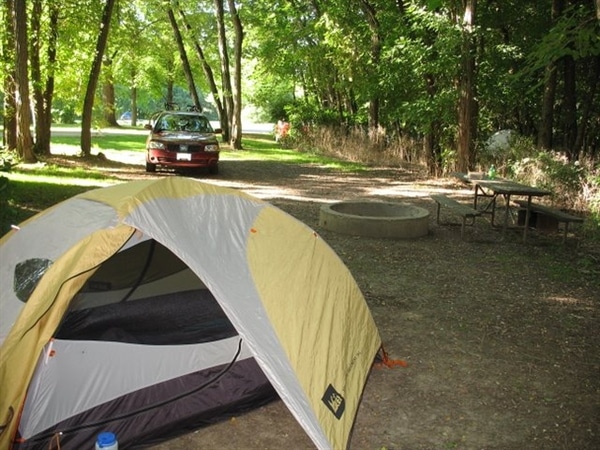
<point>107,441</point>
<point>492,172</point>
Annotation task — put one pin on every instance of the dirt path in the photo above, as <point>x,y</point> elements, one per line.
<point>501,339</point>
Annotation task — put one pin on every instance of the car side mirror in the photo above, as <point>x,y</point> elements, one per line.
<point>218,130</point>
<point>147,126</point>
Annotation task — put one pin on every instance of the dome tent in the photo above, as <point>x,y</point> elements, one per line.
<point>146,300</point>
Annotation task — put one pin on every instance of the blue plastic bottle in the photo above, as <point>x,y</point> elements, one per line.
<point>107,441</point>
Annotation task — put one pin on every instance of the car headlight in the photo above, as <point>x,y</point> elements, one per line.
<point>211,148</point>
<point>155,145</point>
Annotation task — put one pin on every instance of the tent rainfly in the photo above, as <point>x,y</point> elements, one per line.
<point>151,307</point>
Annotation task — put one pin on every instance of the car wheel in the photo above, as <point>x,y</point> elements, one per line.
<point>150,167</point>
<point>213,170</point>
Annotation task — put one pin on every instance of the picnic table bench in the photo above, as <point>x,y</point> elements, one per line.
<point>557,214</point>
<point>495,189</point>
<point>464,211</point>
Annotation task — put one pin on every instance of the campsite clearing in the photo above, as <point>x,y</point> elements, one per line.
<point>501,338</point>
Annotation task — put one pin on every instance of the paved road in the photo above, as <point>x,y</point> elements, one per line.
<point>255,128</point>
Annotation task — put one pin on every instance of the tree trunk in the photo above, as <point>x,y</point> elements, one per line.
<point>170,69</point>
<point>587,104</point>
<point>432,146</point>
<point>23,107</point>
<point>42,139</point>
<point>45,122</point>
<point>134,116</point>
<point>569,106</point>
<point>545,134</point>
<point>43,90</point>
<point>374,101</point>
<point>88,103</point>
<point>236,122</point>
<point>225,75</point>
<point>187,70</point>
<point>108,101</point>
<point>208,73</point>
<point>108,94</point>
<point>544,139</point>
<point>466,109</point>
<point>9,136</point>
<point>169,94</point>
<point>8,47</point>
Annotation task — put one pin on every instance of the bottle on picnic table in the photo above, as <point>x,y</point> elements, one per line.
<point>492,172</point>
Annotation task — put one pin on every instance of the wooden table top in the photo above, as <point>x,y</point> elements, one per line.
<point>504,186</point>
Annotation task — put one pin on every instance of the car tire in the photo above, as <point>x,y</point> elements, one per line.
<point>213,170</point>
<point>150,167</point>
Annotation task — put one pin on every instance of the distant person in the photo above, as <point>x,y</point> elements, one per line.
<point>281,130</point>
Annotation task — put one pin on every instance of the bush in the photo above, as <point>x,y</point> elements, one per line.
<point>65,115</point>
<point>8,158</point>
<point>575,184</point>
<point>355,144</point>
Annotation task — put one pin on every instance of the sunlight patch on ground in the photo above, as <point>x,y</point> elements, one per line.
<point>399,191</point>
<point>61,180</point>
<point>569,301</point>
<point>265,192</point>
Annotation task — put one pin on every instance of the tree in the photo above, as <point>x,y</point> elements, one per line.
<point>88,104</point>
<point>227,91</point>
<point>403,68</point>
<point>9,75</point>
<point>236,116</point>
<point>544,138</point>
<point>208,72</point>
<point>184,59</point>
<point>108,91</point>
<point>43,42</point>
<point>23,109</point>
<point>568,53</point>
<point>467,118</point>
<point>371,16</point>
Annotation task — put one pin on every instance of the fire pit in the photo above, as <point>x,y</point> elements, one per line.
<point>375,219</point>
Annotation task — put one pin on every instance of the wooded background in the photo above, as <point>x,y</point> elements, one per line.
<point>446,73</point>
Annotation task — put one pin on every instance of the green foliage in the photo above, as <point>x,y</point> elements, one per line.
<point>448,159</point>
<point>272,96</point>
<point>504,157</point>
<point>575,184</point>
<point>8,158</point>
<point>574,34</point>
<point>550,170</point>
<point>323,63</point>
<point>301,114</point>
<point>63,113</point>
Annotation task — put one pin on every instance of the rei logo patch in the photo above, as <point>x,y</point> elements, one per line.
<point>334,401</point>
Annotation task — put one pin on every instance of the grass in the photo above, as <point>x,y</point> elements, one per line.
<point>34,187</point>
<point>49,172</point>
<point>259,148</point>
<point>105,141</point>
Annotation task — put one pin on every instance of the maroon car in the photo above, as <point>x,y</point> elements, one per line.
<point>182,140</point>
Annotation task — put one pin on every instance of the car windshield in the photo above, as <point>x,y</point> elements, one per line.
<point>176,122</point>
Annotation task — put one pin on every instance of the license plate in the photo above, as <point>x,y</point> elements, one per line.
<point>184,156</point>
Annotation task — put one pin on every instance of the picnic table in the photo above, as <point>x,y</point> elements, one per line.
<point>492,189</point>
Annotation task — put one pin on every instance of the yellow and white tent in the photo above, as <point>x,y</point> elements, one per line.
<point>139,308</point>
